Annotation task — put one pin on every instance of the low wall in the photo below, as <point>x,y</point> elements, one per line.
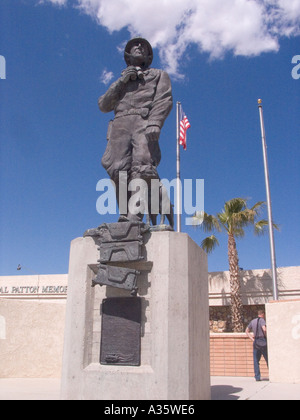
<point>284,341</point>
<point>31,338</point>
<point>232,355</point>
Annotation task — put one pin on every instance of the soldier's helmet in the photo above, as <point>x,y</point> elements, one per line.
<point>131,43</point>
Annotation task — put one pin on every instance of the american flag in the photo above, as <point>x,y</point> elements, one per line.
<point>184,126</point>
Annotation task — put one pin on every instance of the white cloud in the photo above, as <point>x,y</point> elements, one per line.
<point>242,27</point>
<point>106,77</point>
<point>56,2</point>
<point>284,16</point>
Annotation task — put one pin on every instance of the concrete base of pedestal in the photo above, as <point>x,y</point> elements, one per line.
<point>173,285</point>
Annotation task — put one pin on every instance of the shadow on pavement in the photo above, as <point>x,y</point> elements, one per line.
<point>224,392</point>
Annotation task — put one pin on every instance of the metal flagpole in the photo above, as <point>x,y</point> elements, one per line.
<point>178,183</point>
<point>271,231</point>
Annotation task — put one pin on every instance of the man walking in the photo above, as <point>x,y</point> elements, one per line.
<point>259,337</point>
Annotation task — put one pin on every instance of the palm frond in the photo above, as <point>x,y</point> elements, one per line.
<point>258,207</point>
<point>224,219</point>
<point>261,227</point>
<point>211,223</point>
<point>207,222</point>
<point>209,244</point>
<point>238,216</point>
<point>235,205</point>
<point>198,218</point>
<point>243,218</point>
<point>239,232</point>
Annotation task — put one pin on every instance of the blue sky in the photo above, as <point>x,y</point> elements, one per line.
<point>220,59</point>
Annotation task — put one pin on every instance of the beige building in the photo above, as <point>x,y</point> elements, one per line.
<point>32,315</point>
<point>32,318</point>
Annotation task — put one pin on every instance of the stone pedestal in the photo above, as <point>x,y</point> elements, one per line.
<point>173,287</point>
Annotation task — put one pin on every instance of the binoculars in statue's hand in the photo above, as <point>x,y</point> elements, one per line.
<point>133,73</point>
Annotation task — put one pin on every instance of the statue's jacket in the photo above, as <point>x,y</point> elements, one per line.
<point>138,104</point>
<point>151,95</point>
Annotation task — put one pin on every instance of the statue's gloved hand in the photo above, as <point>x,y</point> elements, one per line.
<point>129,74</point>
<point>152,133</point>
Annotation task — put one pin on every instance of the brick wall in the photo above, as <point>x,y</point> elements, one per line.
<point>232,355</point>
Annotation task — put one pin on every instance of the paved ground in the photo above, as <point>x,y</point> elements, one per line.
<point>223,388</point>
<point>29,389</point>
<point>236,388</point>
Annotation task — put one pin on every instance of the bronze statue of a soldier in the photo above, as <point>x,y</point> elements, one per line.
<point>141,100</point>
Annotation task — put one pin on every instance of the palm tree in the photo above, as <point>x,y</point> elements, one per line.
<point>234,218</point>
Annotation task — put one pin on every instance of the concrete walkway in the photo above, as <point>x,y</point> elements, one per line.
<point>237,388</point>
<point>29,389</point>
<point>222,388</point>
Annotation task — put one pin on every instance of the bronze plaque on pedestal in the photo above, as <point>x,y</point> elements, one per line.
<point>121,332</point>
